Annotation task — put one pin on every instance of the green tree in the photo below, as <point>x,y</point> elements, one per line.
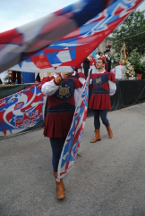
<point>135,60</point>
<point>132,32</point>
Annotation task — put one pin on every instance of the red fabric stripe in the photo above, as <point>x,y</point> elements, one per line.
<point>11,36</point>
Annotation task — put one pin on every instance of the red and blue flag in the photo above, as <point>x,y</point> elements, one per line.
<point>73,139</point>
<point>68,52</point>
<point>21,43</point>
<point>21,111</point>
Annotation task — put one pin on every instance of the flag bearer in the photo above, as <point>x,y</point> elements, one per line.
<point>62,91</point>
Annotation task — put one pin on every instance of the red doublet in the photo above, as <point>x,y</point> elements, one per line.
<point>100,98</point>
<point>61,107</point>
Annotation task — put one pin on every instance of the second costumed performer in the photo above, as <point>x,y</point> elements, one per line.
<point>100,98</point>
<point>62,91</point>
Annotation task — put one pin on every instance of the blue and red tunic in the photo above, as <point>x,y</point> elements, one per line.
<point>61,107</point>
<point>100,98</point>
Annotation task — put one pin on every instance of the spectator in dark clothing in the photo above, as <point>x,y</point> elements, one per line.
<point>86,66</point>
<point>108,60</point>
<point>16,75</point>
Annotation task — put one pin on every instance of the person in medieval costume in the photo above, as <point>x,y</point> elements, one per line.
<point>108,60</point>
<point>102,82</point>
<point>62,91</point>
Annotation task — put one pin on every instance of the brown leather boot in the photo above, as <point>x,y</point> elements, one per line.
<point>59,187</point>
<point>97,136</point>
<point>110,133</point>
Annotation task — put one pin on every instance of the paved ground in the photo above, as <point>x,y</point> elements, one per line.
<point>108,178</point>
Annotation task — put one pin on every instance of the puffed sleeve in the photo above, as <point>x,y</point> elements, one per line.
<point>78,90</point>
<point>112,88</point>
<point>81,76</point>
<point>112,84</point>
<point>48,86</point>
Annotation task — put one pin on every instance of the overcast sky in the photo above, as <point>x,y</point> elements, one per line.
<point>15,13</point>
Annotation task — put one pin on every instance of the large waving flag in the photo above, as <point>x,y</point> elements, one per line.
<point>73,139</point>
<point>21,111</point>
<point>20,43</point>
<point>71,50</point>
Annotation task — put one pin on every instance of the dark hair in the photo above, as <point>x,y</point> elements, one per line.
<point>103,62</point>
<point>108,50</point>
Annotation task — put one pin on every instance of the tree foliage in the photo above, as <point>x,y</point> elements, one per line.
<point>132,32</point>
<point>135,60</point>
